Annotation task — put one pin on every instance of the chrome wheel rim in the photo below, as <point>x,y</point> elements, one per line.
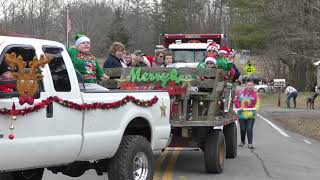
<point>140,166</point>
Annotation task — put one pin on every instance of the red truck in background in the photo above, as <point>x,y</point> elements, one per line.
<point>189,49</point>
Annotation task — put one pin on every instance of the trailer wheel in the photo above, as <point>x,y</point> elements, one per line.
<point>230,134</point>
<point>215,152</point>
<point>33,174</point>
<point>133,160</point>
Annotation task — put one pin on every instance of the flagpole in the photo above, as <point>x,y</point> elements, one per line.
<point>67,27</point>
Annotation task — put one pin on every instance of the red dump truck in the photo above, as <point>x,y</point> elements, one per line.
<point>191,48</point>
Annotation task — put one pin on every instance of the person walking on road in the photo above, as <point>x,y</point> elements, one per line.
<point>245,99</point>
<point>291,93</point>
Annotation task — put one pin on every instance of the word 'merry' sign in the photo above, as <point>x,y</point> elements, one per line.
<point>170,81</point>
<point>163,77</point>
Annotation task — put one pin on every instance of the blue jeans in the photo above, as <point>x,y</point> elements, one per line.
<point>293,95</point>
<point>246,126</point>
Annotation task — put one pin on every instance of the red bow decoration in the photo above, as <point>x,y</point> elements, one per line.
<point>26,99</point>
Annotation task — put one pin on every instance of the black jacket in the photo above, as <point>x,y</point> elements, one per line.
<point>112,62</point>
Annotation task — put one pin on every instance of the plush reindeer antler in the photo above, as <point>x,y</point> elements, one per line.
<point>13,61</point>
<point>35,63</point>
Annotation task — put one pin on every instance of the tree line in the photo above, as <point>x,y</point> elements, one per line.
<point>136,23</point>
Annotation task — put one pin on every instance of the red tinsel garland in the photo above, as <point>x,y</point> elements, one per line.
<point>80,107</point>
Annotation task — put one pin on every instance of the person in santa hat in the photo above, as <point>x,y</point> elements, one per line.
<point>212,49</point>
<point>237,73</point>
<point>232,54</point>
<point>222,61</point>
<point>86,64</point>
<point>210,62</point>
<point>224,52</point>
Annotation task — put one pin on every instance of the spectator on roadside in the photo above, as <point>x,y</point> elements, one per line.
<point>139,59</point>
<point>86,64</point>
<point>158,58</point>
<point>291,93</point>
<point>168,60</point>
<point>245,99</point>
<point>114,58</point>
<point>126,59</point>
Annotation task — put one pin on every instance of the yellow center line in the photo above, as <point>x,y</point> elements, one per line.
<point>157,170</point>
<point>182,178</point>
<point>169,170</point>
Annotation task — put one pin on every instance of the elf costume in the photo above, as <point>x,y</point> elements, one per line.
<point>86,64</point>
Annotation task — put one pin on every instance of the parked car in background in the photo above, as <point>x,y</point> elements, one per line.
<point>255,78</point>
<point>264,88</point>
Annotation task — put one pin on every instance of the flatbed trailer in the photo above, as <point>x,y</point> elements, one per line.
<point>202,117</point>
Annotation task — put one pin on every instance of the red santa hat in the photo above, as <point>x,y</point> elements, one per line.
<point>213,47</point>
<point>224,51</point>
<point>210,59</point>
<point>232,52</point>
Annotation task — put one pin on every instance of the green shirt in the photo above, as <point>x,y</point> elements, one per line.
<point>223,64</point>
<point>87,65</point>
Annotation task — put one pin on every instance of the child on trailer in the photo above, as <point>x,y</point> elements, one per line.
<point>210,62</point>
<point>168,60</point>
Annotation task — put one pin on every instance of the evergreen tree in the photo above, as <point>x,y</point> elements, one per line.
<point>118,31</point>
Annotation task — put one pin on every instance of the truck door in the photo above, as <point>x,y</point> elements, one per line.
<point>41,138</point>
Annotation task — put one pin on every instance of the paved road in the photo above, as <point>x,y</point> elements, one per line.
<point>275,157</point>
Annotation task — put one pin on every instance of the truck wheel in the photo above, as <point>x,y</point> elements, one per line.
<point>5,176</point>
<point>33,174</point>
<point>230,134</point>
<point>133,160</point>
<point>215,152</point>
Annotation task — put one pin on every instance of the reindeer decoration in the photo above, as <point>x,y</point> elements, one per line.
<point>27,81</point>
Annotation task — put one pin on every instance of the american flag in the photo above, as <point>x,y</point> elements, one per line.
<point>68,24</point>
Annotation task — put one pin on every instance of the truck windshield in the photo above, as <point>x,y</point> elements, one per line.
<point>188,55</point>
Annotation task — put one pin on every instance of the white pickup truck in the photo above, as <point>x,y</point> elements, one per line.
<point>119,141</point>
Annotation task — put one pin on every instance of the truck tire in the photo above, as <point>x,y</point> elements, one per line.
<point>34,174</point>
<point>215,152</point>
<point>133,160</point>
<point>230,134</point>
<point>5,176</point>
